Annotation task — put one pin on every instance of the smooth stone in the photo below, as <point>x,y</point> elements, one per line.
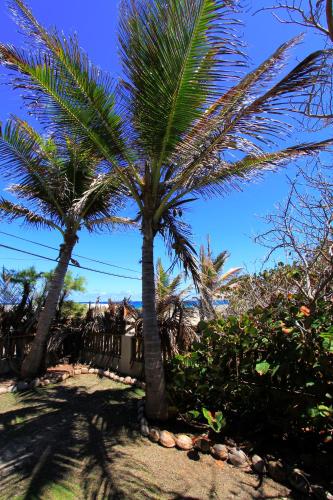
<point>320,493</point>
<point>167,439</point>
<point>128,380</point>
<point>64,376</point>
<point>220,451</point>
<point>121,379</point>
<point>77,371</point>
<point>184,442</point>
<point>91,370</point>
<point>202,444</point>
<point>96,370</point>
<point>35,383</point>
<point>47,381</point>
<point>258,465</point>
<point>107,374</point>
<point>154,435</point>
<point>11,388</point>
<point>85,370</point>
<point>134,381</point>
<point>237,457</point>
<point>277,471</point>
<point>22,386</point>
<point>299,482</point>
<point>145,430</point>
<point>143,421</point>
<point>3,390</point>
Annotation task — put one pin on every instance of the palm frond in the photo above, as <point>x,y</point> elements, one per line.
<point>220,260</point>
<point>87,86</point>
<point>244,125</point>
<point>239,95</point>
<point>230,273</point>
<point>217,179</point>
<point>177,236</point>
<point>111,223</point>
<point>57,101</point>
<point>22,158</point>
<point>174,55</point>
<point>11,212</point>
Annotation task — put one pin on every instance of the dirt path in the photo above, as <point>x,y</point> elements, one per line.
<point>81,441</point>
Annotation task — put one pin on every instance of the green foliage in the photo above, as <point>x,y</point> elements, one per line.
<point>73,310</point>
<point>215,420</point>
<point>273,364</point>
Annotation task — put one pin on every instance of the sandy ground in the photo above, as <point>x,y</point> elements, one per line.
<point>81,441</point>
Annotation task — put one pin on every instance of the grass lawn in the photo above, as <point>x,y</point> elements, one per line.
<point>80,440</point>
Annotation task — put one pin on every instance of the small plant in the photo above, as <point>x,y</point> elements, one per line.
<point>215,420</point>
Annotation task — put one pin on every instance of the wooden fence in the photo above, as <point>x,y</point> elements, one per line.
<point>105,349</point>
<point>14,346</point>
<point>108,344</point>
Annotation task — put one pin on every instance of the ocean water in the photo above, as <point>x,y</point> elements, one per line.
<point>189,303</point>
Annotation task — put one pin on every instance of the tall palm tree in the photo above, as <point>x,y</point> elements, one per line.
<point>58,182</point>
<point>168,127</point>
<point>214,281</point>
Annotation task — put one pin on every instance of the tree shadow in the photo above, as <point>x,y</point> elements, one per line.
<point>60,443</point>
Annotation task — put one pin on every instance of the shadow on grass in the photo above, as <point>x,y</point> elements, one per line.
<point>63,442</point>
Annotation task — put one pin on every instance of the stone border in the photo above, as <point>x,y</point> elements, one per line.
<point>225,452</point>
<point>186,442</point>
<point>275,469</point>
<point>54,378</point>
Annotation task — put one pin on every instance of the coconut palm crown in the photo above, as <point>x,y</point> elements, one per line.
<point>57,183</point>
<point>214,280</point>
<point>183,122</point>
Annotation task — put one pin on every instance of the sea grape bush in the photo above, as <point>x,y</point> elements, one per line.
<point>272,364</point>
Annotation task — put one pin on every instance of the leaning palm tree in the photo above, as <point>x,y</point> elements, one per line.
<point>214,281</point>
<point>58,182</point>
<point>169,127</point>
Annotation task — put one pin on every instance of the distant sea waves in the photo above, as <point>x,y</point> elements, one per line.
<point>189,303</point>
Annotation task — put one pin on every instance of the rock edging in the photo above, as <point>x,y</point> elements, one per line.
<point>275,469</point>
<point>54,378</point>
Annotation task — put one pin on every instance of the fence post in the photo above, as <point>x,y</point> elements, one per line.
<point>126,354</point>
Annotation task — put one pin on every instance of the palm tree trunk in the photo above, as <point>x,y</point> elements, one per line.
<point>156,403</point>
<point>32,364</point>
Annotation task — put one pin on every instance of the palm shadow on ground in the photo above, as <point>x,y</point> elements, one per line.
<point>81,440</point>
<point>59,443</point>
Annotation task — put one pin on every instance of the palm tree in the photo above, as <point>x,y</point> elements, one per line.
<point>214,281</point>
<point>166,285</point>
<point>168,127</point>
<point>59,182</point>
<point>27,280</point>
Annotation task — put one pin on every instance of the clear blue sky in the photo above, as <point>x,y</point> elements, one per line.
<point>230,221</point>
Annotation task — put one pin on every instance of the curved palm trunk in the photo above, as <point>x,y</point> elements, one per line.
<point>33,362</point>
<point>156,404</point>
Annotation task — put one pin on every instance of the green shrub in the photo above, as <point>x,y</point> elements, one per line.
<point>272,364</point>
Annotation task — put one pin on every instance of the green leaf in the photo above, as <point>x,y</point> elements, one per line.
<point>262,368</point>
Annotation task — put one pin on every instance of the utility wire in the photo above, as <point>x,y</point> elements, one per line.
<point>73,265</point>
<point>74,254</point>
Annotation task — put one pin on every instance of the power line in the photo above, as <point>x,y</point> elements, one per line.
<point>74,254</point>
<point>73,265</point>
